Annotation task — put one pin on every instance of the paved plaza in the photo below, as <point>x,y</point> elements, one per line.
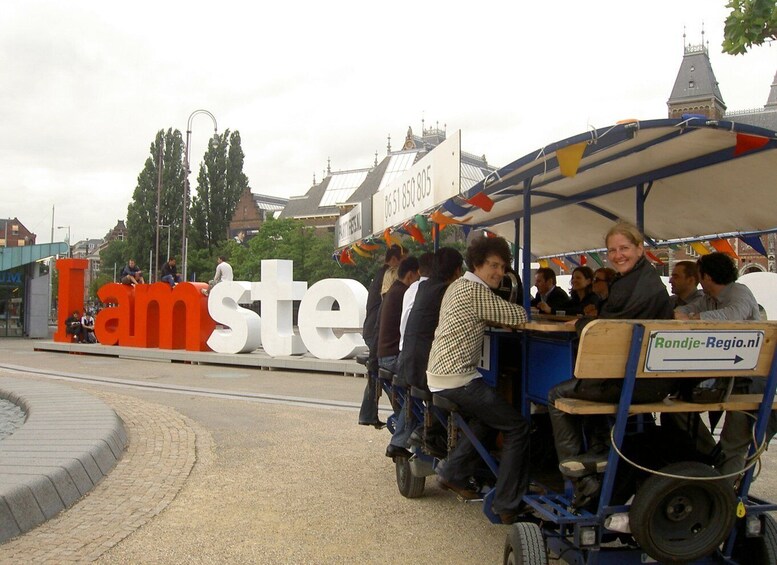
<point>239,465</point>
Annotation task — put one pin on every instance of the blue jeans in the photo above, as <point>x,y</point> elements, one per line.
<point>170,280</point>
<point>486,409</point>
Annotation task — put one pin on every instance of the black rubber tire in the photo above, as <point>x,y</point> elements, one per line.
<point>525,546</point>
<point>679,520</point>
<point>757,551</point>
<point>409,485</point>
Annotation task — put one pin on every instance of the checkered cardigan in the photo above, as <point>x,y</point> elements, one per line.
<point>467,308</point>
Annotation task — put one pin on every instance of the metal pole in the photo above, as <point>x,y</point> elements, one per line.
<point>168,242</point>
<point>155,265</point>
<point>186,171</point>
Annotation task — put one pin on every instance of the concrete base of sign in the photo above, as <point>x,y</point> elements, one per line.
<point>68,443</point>
<point>257,359</point>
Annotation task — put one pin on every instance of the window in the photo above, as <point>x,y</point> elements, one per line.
<point>691,84</point>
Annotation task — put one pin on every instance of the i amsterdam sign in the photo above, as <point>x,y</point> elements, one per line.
<point>158,316</point>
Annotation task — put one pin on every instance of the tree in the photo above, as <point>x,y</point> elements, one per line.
<point>751,22</point>
<point>220,183</point>
<point>142,210</point>
<point>114,257</point>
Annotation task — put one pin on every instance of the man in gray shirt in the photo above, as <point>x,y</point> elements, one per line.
<point>725,299</point>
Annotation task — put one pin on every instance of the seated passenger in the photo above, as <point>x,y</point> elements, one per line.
<point>725,299</point>
<point>603,276</point>
<point>582,294</point>
<point>467,308</point>
<point>419,331</point>
<point>636,293</point>
<point>684,281</point>
<point>549,297</point>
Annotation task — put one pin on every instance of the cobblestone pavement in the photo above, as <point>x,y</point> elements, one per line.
<point>158,460</point>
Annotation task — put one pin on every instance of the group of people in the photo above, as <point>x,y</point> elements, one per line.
<point>132,275</point>
<point>439,347</point>
<point>81,328</point>
<point>589,289</point>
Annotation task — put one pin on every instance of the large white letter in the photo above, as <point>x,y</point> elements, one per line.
<point>244,332</point>
<point>277,292</point>
<point>316,317</point>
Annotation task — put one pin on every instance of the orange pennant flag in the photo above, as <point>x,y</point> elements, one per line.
<point>415,233</point>
<point>441,219</point>
<point>482,201</point>
<point>653,258</point>
<point>700,248</point>
<point>724,246</point>
<point>560,263</point>
<point>569,158</point>
<point>747,143</point>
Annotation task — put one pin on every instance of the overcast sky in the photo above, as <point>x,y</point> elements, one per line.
<point>87,84</point>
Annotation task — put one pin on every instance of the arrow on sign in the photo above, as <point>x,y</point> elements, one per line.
<point>736,359</point>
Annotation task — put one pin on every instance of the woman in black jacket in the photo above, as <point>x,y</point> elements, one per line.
<point>637,292</point>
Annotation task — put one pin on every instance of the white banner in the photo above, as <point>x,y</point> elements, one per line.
<point>349,227</point>
<point>432,180</point>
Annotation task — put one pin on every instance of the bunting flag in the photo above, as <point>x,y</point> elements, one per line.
<point>402,230</point>
<point>583,259</point>
<point>390,239</point>
<point>755,242</point>
<point>368,246</point>
<point>442,220</point>
<point>653,258</point>
<point>699,248</point>
<point>420,221</point>
<point>345,257</point>
<point>489,234</point>
<point>597,258</point>
<point>569,158</point>
<point>560,263</point>
<point>466,230</point>
<point>747,143</point>
<point>544,263</point>
<point>454,208</point>
<point>414,232</point>
<point>360,252</point>
<point>571,260</point>
<point>482,201</point>
<point>435,233</point>
<point>724,246</point>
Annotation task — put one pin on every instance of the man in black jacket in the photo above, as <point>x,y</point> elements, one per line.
<point>549,297</point>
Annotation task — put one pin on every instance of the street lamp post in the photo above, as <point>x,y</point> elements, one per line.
<point>184,246</point>
<point>168,245</point>
<point>158,197</point>
<point>68,239</point>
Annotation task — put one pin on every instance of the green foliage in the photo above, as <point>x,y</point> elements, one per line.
<point>220,183</point>
<point>751,22</point>
<point>142,210</point>
<point>117,253</point>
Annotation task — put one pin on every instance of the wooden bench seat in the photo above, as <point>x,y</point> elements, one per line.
<point>739,402</point>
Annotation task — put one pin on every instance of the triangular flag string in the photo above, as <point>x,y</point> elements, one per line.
<point>560,263</point>
<point>747,143</point>
<point>441,219</point>
<point>755,242</point>
<point>700,248</point>
<point>482,201</point>
<point>544,263</point>
<point>569,158</point>
<point>724,246</point>
<point>653,257</point>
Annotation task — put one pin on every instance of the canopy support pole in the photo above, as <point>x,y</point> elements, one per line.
<point>526,244</point>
